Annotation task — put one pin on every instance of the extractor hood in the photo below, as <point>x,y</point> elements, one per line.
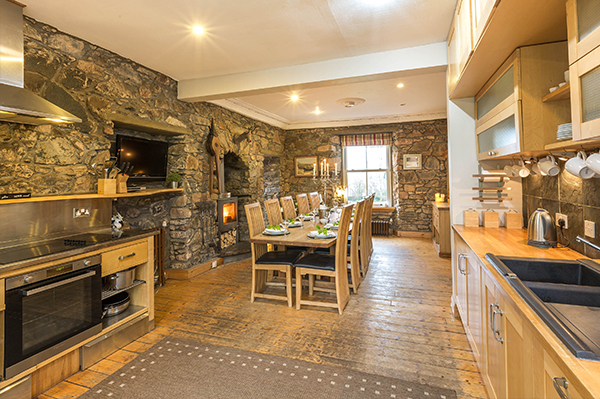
<point>17,104</point>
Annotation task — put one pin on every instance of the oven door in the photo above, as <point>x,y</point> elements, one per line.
<point>44,318</point>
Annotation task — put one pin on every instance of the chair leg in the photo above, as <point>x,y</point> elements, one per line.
<point>288,281</point>
<point>298,288</point>
<point>311,284</point>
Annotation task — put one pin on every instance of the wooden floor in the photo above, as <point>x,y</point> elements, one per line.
<point>398,325</point>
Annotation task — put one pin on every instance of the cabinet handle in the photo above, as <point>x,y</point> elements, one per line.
<point>462,256</point>
<point>560,383</point>
<point>493,314</point>
<point>131,255</point>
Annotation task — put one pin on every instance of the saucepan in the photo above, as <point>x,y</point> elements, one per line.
<point>120,280</point>
<point>115,304</point>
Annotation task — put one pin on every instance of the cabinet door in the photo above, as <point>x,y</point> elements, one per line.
<point>583,27</point>
<point>461,282</point>
<point>518,342</point>
<point>453,58</point>
<point>481,10</point>
<point>474,302</point>
<point>463,29</point>
<point>585,96</point>
<point>556,382</point>
<point>500,135</point>
<point>495,367</point>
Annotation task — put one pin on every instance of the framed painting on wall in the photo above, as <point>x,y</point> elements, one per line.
<point>412,161</point>
<point>305,166</point>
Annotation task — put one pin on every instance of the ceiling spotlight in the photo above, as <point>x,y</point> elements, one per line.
<point>400,85</point>
<point>294,97</point>
<point>402,104</point>
<point>350,102</point>
<point>317,111</point>
<point>198,30</point>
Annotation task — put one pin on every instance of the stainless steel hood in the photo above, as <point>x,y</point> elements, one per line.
<point>16,103</point>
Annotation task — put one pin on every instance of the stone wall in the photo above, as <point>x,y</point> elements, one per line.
<point>272,178</point>
<point>412,190</point>
<point>92,82</point>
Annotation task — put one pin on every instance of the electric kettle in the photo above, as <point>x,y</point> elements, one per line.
<point>541,231</point>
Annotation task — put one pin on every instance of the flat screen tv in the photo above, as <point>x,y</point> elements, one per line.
<point>148,157</point>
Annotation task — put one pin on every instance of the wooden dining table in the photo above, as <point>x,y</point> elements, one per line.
<point>298,237</point>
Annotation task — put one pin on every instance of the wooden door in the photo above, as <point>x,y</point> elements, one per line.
<point>474,304</point>
<point>460,279</point>
<point>556,379</point>
<point>481,11</point>
<point>582,30</point>
<point>494,374</point>
<point>585,91</point>
<point>463,29</point>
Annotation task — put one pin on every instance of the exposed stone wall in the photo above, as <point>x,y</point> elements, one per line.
<point>91,83</point>
<point>272,178</point>
<point>412,190</point>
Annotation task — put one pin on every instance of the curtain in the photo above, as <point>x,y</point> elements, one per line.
<point>367,139</point>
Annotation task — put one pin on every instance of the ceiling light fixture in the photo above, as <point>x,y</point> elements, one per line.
<point>350,102</point>
<point>294,97</point>
<point>198,30</point>
<point>400,85</point>
<point>317,111</point>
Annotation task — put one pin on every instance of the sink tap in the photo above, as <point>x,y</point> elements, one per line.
<point>591,244</point>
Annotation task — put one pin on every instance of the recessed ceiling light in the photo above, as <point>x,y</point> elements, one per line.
<point>198,30</point>
<point>400,85</point>
<point>317,111</point>
<point>294,97</point>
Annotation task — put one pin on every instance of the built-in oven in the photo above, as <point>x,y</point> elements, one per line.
<point>50,310</point>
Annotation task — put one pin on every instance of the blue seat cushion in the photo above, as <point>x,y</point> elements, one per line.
<point>317,261</point>
<point>279,258</point>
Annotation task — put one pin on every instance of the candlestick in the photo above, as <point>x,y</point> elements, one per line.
<point>336,168</point>
<point>327,168</point>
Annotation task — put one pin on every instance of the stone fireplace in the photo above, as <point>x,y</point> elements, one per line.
<point>227,219</point>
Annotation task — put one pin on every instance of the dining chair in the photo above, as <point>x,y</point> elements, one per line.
<point>303,207</point>
<point>354,269</point>
<point>315,201</point>
<point>366,243</point>
<point>273,212</point>
<point>264,262</point>
<point>327,265</point>
<point>289,210</point>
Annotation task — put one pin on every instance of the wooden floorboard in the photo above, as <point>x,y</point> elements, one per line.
<point>398,325</point>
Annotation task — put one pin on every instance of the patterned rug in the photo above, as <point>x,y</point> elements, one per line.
<point>182,369</point>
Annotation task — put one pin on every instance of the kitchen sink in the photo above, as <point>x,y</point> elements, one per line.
<point>565,294</point>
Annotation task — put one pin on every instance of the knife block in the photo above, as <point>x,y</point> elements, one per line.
<point>122,184</point>
<point>107,186</point>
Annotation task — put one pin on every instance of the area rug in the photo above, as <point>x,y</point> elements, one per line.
<point>182,369</point>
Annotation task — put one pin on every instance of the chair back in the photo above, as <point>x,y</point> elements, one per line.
<point>256,225</point>
<point>366,240</point>
<point>303,207</point>
<point>341,257</point>
<point>273,211</point>
<point>289,211</point>
<point>315,201</point>
<point>356,229</point>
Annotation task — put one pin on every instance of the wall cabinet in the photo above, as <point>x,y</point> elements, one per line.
<point>583,27</point>
<point>481,10</point>
<point>460,42</point>
<point>585,96</point>
<point>510,116</point>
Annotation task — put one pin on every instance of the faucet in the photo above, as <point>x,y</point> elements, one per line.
<point>591,244</point>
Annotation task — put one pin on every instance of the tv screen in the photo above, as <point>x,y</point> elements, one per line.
<point>148,157</point>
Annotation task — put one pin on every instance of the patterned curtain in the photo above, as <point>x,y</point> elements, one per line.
<point>367,139</point>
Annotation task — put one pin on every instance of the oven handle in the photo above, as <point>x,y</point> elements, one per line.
<point>34,291</point>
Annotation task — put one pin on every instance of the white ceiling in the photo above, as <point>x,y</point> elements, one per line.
<point>245,36</point>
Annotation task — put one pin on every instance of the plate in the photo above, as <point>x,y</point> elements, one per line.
<point>307,218</point>
<point>269,232</point>
<point>315,234</point>
<point>295,224</point>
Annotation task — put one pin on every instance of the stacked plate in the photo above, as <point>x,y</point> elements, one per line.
<point>565,131</point>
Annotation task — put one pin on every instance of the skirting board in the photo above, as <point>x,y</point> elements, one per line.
<point>413,234</point>
<point>186,274</point>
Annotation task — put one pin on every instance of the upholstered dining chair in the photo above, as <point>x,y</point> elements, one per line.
<point>264,262</point>
<point>289,210</point>
<point>303,206</point>
<point>327,265</point>
<point>315,201</point>
<point>273,211</point>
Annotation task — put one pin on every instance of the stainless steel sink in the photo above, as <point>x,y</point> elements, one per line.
<point>565,294</point>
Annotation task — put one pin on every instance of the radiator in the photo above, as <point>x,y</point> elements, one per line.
<point>380,227</point>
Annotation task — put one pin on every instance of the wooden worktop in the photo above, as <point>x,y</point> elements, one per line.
<point>142,193</point>
<point>509,242</point>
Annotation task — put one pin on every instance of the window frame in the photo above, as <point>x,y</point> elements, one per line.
<point>388,170</point>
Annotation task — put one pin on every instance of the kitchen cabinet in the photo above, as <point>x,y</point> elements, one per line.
<point>556,384</point>
<point>481,10</point>
<point>583,27</point>
<point>585,96</point>
<point>460,42</point>
<point>124,258</point>
<point>494,373</point>
<point>510,116</point>
<point>440,220</point>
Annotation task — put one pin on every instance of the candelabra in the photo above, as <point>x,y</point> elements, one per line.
<point>326,179</point>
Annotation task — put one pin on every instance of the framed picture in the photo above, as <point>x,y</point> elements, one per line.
<point>304,166</point>
<point>412,161</point>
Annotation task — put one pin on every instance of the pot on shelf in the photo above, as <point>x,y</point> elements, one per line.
<point>120,280</point>
<point>115,304</point>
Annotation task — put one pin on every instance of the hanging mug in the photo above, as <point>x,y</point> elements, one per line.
<point>593,162</point>
<point>548,166</point>
<point>578,166</point>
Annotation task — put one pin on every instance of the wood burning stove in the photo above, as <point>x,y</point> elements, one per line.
<point>227,217</point>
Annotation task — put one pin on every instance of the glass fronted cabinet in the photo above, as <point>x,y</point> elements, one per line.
<point>583,27</point>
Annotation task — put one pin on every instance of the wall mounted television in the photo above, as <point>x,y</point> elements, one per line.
<point>148,157</point>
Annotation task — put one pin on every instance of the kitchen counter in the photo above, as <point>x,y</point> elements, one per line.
<point>509,242</point>
<point>129,235</point>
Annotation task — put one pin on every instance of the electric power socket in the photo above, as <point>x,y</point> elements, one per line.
<point>560,219</point>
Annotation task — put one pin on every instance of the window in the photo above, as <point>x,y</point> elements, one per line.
<point>366,171</point>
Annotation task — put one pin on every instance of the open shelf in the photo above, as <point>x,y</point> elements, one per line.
<point>489,188</point>
<point>142,193</point>
<point>562,93</point>
<point>109,293</point>
<point>496,199</point>
<point>570,145</point>
<point>130,311</point>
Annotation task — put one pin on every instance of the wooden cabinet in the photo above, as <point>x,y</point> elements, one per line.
<point>494,373</point>
<point>481,10</point>
<point>440,220</point>
<point>556,384</point>
<point>510,116</point>
<point>585,96</point>
<point>583,27</point>
<point>460,42</point>
<point>124,258</point>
